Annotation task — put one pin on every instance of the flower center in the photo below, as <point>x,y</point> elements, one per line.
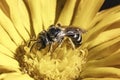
<point>62,63</point>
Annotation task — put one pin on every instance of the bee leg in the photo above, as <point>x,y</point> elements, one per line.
<point>71,42</point>
<point>29,42</point>
<point>59,44</point>
<point>40,46</point>
<point>32,46</point>
<point>50,47</point>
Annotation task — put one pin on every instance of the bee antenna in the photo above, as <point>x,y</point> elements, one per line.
<point>43,27</point>
<point>51,25</point>
<point>58,24</point>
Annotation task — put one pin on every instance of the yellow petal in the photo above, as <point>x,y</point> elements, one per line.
<point>35,16</point>
<point>102,14</point>
<point>93,51</point>
<point>19,17</point>
<point>6,51</point>
<point>105,52</point>
<point>104,36</point>
<point>9,27</point>
<point>101,79</point>
<point>48,12</point>
<point>15,76</point>
<point>7,69</point>
<point>24,13</point>
<point>111,60</point>
<point>43,13</point>
<point>114,25</point>
<point>6,41</point>
<point>59,6</point>
<point>102,25</point>
<point>4,7</point>
<point>86,11</point>
<point>67,13</point>
<point>101,72</point>
<point>8,61</point>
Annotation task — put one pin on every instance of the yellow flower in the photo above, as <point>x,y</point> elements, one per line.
<point>96,59</point>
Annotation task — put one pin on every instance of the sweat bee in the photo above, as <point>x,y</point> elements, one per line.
<point>57,34</point>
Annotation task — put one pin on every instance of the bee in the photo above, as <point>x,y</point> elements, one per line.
<point>57,34</point>
<point>75,34</point>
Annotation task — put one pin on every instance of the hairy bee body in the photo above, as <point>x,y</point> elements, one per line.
<point>57,34</point>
